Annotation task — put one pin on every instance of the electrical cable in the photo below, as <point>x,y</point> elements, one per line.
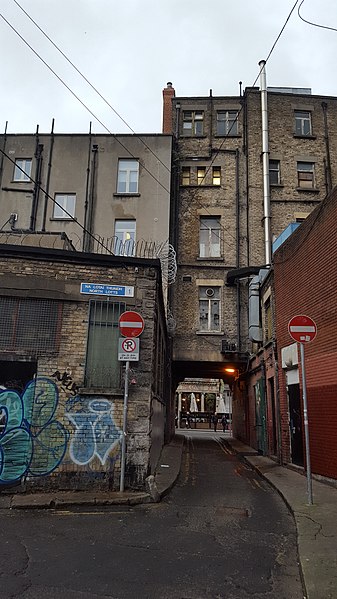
<point>90,84</point>
<point>313,24</point>
<point>81,101</point>
<point>84,229</point>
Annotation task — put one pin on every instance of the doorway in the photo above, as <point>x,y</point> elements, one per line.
<point>295,423</point>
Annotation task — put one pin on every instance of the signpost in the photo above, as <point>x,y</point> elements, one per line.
<point>303,330</point>
<point>131,325</point>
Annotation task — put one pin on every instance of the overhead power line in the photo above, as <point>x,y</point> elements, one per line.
<point>81,101</point>
<point>88,82</point>
<point>313,24</point>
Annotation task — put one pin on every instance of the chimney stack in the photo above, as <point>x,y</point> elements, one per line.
<point>168,94</point>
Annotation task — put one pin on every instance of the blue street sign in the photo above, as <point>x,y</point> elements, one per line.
<point>97,289</point>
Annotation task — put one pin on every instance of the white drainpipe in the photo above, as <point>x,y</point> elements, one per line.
<point>265,166</point>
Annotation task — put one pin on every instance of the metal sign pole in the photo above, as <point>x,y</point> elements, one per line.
<point>306,427</point>
<point>125,417</point>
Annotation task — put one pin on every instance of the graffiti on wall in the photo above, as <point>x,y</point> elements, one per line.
<point>96,433</point>
<point>32,441</point>
<point>65,381</point>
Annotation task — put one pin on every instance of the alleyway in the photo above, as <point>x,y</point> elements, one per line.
<point>222,533</point>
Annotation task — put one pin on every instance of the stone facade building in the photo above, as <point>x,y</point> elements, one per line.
<point>218,222</point>
<point>62,388</point>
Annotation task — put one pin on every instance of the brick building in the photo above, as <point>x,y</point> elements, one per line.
<point>62,390</point>
<point>227,184</point>
<point>305,278</point>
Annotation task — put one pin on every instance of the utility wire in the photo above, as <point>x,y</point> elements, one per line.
<point>89,83</point>
<point>81,101</point>
<point>313,24</point>
<point>84,229</point>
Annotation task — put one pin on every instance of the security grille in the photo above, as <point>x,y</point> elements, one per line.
<point>30,325</point>
<point>102,367</point>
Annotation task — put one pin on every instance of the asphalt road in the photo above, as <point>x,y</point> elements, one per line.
<point>222,533</point>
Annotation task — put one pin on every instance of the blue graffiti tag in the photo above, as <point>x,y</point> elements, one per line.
<point>31,441</point>
<point>96,433</point>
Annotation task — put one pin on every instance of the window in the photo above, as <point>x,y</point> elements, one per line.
<point>22,169</point>
<point>274,172</point>
<point>186,175</point>
<point>302,123</point>
<point>30,325</point>
<point>216,175</point>
<point>268,322</point>
<point>227,122</point>
<point>102,369</point>
<point>128,171</point>
<point>65,207</point>
<point>201,174</point>
<point>306,175</point>
<point>209,308</point>
<point>209,245</point>
<point>125,234</point>
<point>193,122</point>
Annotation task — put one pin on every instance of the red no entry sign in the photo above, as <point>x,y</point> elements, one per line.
<point>302,328</point>
<point>131,324</point>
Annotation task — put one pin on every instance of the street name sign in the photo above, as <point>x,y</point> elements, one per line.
<point>116,290</point>
<point>302,329</point>
<point>128,349</point>
<point>131,324</point>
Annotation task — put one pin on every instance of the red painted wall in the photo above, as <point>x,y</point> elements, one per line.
<point>305,279</point>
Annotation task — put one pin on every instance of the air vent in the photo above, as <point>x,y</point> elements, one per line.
<point>228,346</point>
<point>187,279</point>
<point>210,292</point>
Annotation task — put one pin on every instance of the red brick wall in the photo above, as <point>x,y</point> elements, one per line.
<point>305,283</point>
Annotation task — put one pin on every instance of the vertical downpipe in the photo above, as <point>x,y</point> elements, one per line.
<point>46,195</point>
<point>265,165</point>
<point>2,155</point>
<point>237,233</point>
<point>37,181</point>
<point>327,148</point>
<point>86,239</point>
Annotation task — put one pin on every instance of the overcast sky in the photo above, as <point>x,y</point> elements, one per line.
<point>129,49</point>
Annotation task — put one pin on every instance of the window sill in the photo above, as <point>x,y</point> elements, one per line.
<point>100,391</point>
<point>210,259</point>
<point>184,136</point>
<point>64,219</point>
<point>277,185</point>
<point>304,136</point>
<point>126,194</point>
<point>308,189</point>
<point>217,333</point>
<point>206,186</point>
<point>236,136</point>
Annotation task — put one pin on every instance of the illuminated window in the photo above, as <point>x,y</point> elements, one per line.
<point>201,174</point>
<point>216,175</point>
<point>186,175</point>
<point>125,237</point>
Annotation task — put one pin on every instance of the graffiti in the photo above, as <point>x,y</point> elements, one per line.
<point>66,381</point>
<point>32,442</point>
<point>96,433</point>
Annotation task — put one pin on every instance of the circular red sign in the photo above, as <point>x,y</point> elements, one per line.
<point>131,324</point>
<point>302,328</point>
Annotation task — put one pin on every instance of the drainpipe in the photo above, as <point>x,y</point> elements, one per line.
<point>2,155</point>
<point>327,148</point>
<point>86,238</point>
<point>92,193</point>
<point>37,183</point>
<point>265,165</point>
<point>278,406</point>
<point>46,196</point>
<point>237,226</point>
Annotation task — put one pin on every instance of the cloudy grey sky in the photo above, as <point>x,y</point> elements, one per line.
<point>129,49</point>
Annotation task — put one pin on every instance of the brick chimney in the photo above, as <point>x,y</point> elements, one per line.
<point>168,94</point>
